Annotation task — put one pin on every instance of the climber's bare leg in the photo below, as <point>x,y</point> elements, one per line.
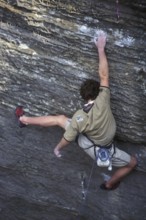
<point>121,173</point>
<point>45,121</point>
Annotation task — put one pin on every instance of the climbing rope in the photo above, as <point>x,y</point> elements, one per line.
<point>85,191</point>
<point>89,181</point>
<point>117,10</point>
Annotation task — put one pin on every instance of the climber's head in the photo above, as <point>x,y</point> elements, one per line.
<point>89,89</point>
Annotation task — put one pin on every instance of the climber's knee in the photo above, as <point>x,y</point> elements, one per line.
<point>133,162</point>
<point>62,120</point>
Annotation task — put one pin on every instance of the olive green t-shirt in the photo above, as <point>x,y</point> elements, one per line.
<point>98,124</point>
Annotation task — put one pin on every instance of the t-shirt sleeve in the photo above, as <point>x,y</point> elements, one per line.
<point>72,131</point>
<point>70,134</point>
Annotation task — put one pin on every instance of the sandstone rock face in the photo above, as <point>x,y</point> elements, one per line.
<point>47,51</point>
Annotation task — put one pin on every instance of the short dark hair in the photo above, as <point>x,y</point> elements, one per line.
<point>89,89</point>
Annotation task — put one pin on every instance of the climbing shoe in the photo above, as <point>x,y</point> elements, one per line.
<point>115,186</point>
<point>18,113</point>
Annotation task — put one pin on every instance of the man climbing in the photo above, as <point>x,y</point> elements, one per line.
<point>94,125</point>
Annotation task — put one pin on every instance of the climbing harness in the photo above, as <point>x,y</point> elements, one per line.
<point>103,154</point>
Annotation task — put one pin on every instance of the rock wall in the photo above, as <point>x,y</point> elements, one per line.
<point>47,50</point>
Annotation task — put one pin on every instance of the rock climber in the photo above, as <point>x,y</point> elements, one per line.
<point>94,124</point>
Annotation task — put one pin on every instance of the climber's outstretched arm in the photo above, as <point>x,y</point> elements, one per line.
<point>100,43</point>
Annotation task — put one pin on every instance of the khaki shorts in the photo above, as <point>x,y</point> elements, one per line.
<point>119,159</point>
